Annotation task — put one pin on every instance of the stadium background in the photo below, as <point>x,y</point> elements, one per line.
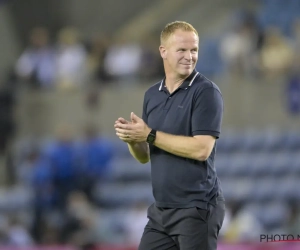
<point>70,68</point>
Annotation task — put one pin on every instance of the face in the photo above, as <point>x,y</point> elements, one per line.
<point>180,53</point>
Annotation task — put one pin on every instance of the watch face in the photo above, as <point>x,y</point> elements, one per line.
<point>151,138</point>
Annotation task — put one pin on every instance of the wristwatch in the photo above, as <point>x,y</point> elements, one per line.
<point>151,137</point>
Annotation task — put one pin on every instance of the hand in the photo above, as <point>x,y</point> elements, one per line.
<point>134,131</point>
<point>122,136</point>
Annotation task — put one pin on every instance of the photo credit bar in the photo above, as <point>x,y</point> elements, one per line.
<point>279,238</point>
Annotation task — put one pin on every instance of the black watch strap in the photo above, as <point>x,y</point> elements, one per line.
<point>151,136</point>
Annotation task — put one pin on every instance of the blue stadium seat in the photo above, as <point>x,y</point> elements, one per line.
<point>281,165</point>
<point>272,140</point>
<point>122,195</point>
<point>209,62</point>
<point>287,189</point>
<point>252,141</point>
<point>229,186</point>
<point>232,141</point>
<point>273,215</point>
<point>236,189</point>
<point>294,164</point>
<point>240,165</point>
<point>222,165</point>
<point>16,199</point>
<point>128,169</point>
<point>292,141</point>
<point>263,190</point>
<point>261,164</point>
<point>120,147</point>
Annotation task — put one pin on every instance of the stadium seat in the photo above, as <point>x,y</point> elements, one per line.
<point>294,164</point>
<point>122,195</point>
<point>120,147</point>
<point>252,141</point>
<point>237,190</point>
<point>209,62</point>
<point>287,189</point>
<point>281,165</point>
<point>239,165</point>
<point>16,199</point>
<point>260,165</point>
<point>222,165</point>
<point>128,169</point>
<point>292,141</point>
<point>263,190</point>
<point>273,215</point>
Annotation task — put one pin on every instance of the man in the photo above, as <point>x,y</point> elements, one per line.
<point>182,117</point>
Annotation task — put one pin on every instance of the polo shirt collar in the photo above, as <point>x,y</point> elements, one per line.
<point>186,83</point>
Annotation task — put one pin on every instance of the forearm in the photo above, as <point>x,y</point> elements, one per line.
<point>140,151</point>
<point>184,146</point>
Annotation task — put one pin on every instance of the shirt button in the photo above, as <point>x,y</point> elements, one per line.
<point>169,97</point>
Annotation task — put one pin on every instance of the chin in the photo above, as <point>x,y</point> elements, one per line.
<point>186,72</point>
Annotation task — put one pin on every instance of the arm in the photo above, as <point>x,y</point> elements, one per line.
<point>206,125</point>
<point>198,147</point>
<point>140,151</point>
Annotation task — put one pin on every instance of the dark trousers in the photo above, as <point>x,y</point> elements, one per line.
<point>183,228</point>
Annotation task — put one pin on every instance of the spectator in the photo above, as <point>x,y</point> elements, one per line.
<point>71,60</point>
<point>276,54</point>
<point>63,157</point>
<point>37,63</point>
<point>122,61</point>
<point>96,155</point>
<point>237,50</point>
<point>41,176</point>
<point>98,50</point>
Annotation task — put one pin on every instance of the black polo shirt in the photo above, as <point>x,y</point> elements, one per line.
<point>195,108</point>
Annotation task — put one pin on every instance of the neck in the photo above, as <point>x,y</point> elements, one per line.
<point>172,82</point>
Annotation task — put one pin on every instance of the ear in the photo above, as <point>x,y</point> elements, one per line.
<point>163,51</point>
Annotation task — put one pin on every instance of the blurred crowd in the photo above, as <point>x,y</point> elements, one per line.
<point>59,176</point>
<point>249,51</point>
<point>67,61</point>
<point>264,51</point>
<point>70,62</point>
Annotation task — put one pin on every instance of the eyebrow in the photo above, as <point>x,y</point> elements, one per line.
<point>181,48</point>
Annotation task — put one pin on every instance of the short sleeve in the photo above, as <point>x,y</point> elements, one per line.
<point>144,115</point>
<point>207,113</point>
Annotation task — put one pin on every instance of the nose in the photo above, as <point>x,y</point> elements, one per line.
<point>188,55</point>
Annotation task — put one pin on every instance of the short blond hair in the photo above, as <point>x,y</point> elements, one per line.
<point>170,28</point>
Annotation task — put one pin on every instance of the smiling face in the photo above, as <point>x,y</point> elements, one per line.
<point>180,53</point>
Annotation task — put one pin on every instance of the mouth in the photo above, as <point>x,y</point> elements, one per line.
<point>187,65</point>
